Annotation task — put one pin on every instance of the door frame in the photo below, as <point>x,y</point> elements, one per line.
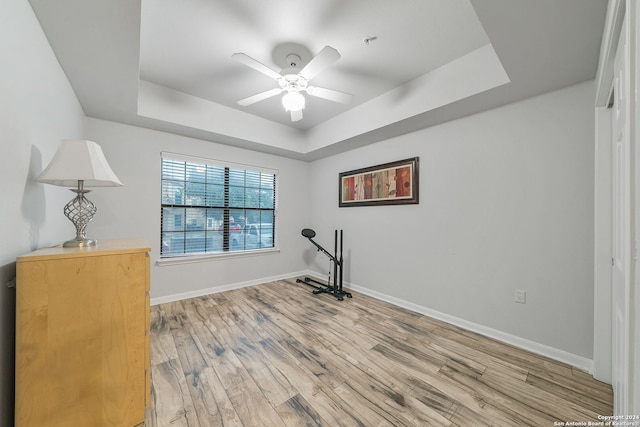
<point>617,11</point>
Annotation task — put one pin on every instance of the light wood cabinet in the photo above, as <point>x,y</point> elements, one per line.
<point>82,336</point>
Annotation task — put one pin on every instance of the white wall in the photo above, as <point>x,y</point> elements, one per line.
<point>38,108</point>
<point>134,210</point>
<point>506,202</point>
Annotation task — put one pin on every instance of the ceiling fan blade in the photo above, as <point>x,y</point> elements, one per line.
<point>330,94</point>
<point>318,63</point>
<point>259,97</point>
<point>296,115</point>
<point>256,65</point>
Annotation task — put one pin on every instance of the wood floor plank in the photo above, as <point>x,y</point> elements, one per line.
<point>252,406</point>
<point>163,348</point>
<point>555,407</point>
<point>589,398</point>
<point>370,363</point>
<point>596,390</point>
<point>277,355</point>
<point>503,353</point>
<point>228,415</point>
<point>195,366</point>
<point>191,358</point>
<point>338,412</point>
<point>311,355</point>
<point>297,412</point>
<point>402,357</point>
<point>583,377</point>
<point>367,409</point>
<point>305,381</point>
<point>437,389</point>
<point>224,326</point>
<point>171,403</point>
<point>492,401</point>
<point>210,400</point>
<point>275,386</point>
<point>393,404</point>
<point>447,342</point>
<point>447,403</point>
<point>174,314</point>
<point>224,361</point>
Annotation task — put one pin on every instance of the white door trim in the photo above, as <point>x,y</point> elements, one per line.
<point>602,364</point>
<point>616,13</point>
<point>621,216</point>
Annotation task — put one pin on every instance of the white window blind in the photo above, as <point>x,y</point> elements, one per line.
<point>209,206</point>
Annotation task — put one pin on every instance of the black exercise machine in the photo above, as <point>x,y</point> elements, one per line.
<point>335,289</point>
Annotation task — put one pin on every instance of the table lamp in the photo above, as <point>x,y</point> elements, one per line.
<point>79,163</point>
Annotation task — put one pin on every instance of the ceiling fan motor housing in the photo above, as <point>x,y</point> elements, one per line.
<point>293,82</point>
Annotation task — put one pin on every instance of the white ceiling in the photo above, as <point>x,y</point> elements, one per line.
<point>166,64</point>
<point>198,61</point>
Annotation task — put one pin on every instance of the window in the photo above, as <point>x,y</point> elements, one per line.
<point>215,207</point>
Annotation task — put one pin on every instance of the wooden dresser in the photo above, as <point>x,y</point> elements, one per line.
<point>82,336</point>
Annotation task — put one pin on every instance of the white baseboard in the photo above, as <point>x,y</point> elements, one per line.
<point>541,349</point>
<point>579,362</point>
<point>223,288</point>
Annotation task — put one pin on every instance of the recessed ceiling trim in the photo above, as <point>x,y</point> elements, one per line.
<point>171,106</point>
<point>476,72</point>
<point>468,75</point>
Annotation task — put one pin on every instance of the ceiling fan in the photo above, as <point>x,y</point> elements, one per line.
<point>294,80</point>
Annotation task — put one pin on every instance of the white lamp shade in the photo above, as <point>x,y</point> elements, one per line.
<point>293,101</point>
<point>79,159</point>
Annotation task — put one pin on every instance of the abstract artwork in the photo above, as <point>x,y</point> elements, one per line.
<point>391,183</point>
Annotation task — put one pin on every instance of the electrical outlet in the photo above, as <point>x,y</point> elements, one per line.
<point>521,296</point>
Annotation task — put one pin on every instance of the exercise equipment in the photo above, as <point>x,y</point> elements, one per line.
<point>335,289</point>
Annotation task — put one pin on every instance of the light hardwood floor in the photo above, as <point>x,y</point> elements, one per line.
<point>277,355</point>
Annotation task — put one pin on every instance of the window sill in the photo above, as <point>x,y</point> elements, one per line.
<point>189,259</point>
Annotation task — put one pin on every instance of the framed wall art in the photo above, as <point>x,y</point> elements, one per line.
<point>394,183</point>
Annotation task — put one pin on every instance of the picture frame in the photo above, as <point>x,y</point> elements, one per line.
<point>393,183</point>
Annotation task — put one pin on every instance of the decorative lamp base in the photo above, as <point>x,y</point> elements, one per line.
<point>82,243</point>
<point>80,211</point>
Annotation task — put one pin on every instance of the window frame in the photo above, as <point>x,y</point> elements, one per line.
<point>211,229</point>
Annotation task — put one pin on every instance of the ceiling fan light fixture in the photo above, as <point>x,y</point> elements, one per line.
<point>294,80</point>
<point>293,101</point>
